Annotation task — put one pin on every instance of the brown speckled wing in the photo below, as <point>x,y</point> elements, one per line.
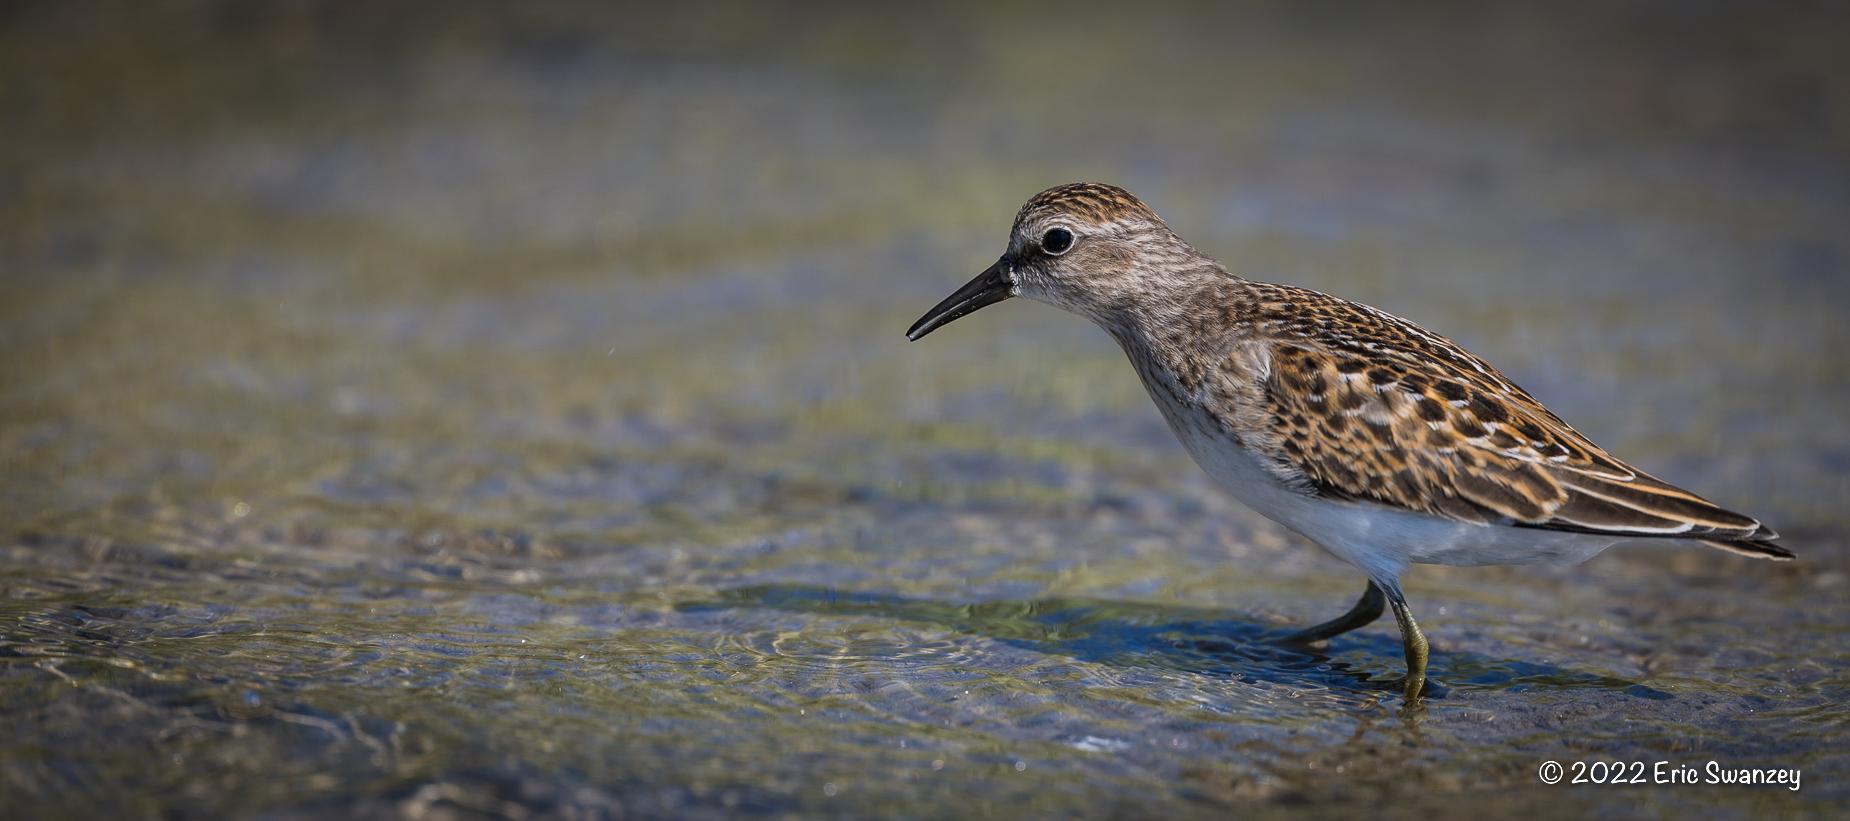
<point>1368,406</point>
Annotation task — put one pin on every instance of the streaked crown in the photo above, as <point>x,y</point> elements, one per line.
<point>1092,202</point>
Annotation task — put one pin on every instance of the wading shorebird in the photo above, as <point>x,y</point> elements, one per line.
<point>1377,439</point>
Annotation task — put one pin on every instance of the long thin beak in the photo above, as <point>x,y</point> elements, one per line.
<point>989,287</point>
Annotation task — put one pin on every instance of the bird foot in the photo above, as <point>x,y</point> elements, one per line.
<point>1428,688</point>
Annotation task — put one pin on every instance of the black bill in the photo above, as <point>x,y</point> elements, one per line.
<point>989,287</point>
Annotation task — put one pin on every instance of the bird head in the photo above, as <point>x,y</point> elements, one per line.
<point>1089,248</point>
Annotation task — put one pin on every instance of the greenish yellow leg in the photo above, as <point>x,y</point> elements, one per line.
<point>1365,611</point>
<point>1415,643</point>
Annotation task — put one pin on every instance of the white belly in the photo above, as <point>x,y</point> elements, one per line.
<point>1380,541</point>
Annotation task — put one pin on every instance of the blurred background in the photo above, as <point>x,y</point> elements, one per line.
<point>464,409</point>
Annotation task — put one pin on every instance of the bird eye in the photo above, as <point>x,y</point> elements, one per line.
<point>1056,241</point>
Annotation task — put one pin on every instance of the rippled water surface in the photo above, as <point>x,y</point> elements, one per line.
<point>457,411</point>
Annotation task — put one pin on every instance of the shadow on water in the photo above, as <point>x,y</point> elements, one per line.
<point>1183,639</point>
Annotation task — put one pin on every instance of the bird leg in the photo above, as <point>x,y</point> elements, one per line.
<point>1415,643</point>
<point>1365,611</point>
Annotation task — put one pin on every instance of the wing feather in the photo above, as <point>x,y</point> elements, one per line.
<point>1367,406</point>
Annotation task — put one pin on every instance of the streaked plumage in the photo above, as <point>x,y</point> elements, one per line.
<point>1379,440</point>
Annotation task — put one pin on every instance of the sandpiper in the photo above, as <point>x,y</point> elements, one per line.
<point>1377,439</point>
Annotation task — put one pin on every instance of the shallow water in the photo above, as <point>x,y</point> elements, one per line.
<point>489,413</point>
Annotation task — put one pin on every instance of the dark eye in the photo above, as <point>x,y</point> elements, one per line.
<point>1056,241</point>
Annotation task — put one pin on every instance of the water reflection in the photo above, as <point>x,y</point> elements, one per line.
<point>1211,643</point>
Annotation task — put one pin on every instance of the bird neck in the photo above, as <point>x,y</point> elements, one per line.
<point>1179,321</point>
<point>1189,307</point>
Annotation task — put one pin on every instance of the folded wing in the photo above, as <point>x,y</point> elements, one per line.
<point>1367,406</point>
